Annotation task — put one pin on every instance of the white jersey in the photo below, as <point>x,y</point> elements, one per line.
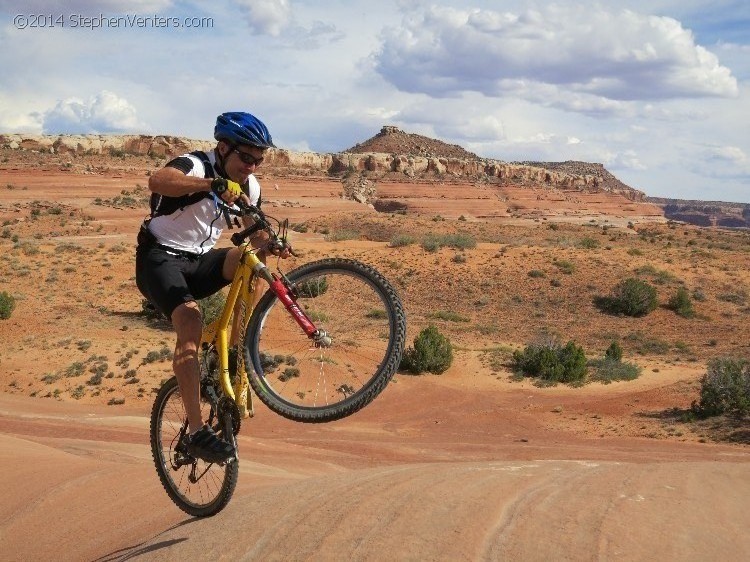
<point>197,227</point>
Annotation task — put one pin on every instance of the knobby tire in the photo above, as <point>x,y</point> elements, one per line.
<point>214,490</point>
<point>367,322</point>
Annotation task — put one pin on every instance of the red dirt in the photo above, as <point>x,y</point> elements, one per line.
<point>466,465</point>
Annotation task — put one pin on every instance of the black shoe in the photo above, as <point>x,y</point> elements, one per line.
<point>204,444</point>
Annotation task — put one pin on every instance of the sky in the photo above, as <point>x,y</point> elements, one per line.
<point>657,91</point>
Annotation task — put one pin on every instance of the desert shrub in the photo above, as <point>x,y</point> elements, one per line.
<point>7,305</point>
<point>614,352</point>
<point>460,241</point>
<point>431,243</point>
<point>607,369</point>
<point>341,235</point>
<point>400,240</point>
<point>448,316</point>
<point>681,303</point>
<point>660,276</point>
<point>565,266</point>
<point>432,353</point>
<point>725,388</point>
<point>612,368</point>
<point>734,298</point>
<point>537,274</point>
<point>299,227</point>
<point>588,243</point>
<point>648,345</point>
<point>459,258</point>
<point>552,362</point>
<point>312,287</point>
<point>211,307</point>
<point>631,297</point>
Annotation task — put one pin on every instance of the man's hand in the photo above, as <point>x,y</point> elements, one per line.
<point>280,249</point>
<point>228,190</point>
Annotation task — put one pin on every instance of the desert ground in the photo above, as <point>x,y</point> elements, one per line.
<point>472,464</point>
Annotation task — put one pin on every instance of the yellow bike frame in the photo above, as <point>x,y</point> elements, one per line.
<point>217,333</point>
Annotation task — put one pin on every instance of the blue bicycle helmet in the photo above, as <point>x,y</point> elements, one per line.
<point>236,127</point>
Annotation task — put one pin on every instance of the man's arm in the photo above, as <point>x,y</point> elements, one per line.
<point>173,183</point>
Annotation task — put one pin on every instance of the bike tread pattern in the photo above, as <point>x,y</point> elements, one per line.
<point>231,471</point>
<point>369,391</point>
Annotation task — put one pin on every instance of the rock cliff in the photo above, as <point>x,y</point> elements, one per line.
<point>705,213</point>
<point>401,156</point>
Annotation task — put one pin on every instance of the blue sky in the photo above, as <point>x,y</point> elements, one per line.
<point>657,91</point>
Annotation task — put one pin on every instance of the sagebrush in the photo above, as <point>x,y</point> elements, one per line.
<point>7,305</point>
<point>631,297</point>
<point>725,388</point>
<point>552,362</point>
<point>432,353</point>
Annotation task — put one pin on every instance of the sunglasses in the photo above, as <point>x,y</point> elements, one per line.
<point>248,159</point>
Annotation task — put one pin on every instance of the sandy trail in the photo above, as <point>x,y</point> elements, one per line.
<point>458,476</point>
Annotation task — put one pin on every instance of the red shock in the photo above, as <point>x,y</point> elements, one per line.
<point>280,290</point>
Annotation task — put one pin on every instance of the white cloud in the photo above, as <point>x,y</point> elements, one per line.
<point>617,56</point>
<point>266,17</point>
<point>732,154</point>
<point>102,113</point>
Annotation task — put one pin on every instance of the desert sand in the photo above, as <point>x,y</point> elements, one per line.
<point>467,465</point>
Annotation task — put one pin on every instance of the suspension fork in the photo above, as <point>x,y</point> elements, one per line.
<point>282,292</point>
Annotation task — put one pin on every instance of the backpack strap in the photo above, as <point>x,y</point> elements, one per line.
<point>165,205</point>
<point>207,166</point>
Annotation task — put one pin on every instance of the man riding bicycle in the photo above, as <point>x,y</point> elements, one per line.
<point>176,262</point>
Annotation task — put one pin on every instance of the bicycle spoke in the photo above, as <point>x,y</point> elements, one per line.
<point>359,317</point>
<point>197,487</point>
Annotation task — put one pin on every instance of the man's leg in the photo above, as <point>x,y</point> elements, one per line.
<point>186,320</point>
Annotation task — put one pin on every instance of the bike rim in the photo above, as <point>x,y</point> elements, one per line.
<point>356,313</point>
<point>210,478</point>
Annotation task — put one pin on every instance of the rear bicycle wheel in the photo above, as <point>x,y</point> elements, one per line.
<point>197,487</point>
<point>362,314</point>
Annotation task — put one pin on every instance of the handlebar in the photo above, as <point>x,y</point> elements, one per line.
<point>260,223</point>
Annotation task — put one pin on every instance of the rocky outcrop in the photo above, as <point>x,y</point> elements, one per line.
<point>579,176</point>
<point>705,213</point>
<point>145,145</point>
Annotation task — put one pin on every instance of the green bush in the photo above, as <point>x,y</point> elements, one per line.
<point>631,297</point>
<point>400,240</point>
<point>432,353</point>
<point>7,304</point>
<point>588,243</point>
<point>460,241</point>
<point>725,388</point>
<point>614,352</point>
<point>431,243</point>
<point>681,303</point>
<point>565,266</point>
<point>313,287</point>
<point>211,307</point>
<point>552,362</point>
<point>608,369</point>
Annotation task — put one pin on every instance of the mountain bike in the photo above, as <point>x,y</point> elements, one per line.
<point>321,344</point>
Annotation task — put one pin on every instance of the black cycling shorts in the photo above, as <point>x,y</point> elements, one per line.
<point>169,280</point>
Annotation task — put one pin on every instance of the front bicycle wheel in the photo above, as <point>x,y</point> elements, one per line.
<point>197,487</point>
<point>363,316</point>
